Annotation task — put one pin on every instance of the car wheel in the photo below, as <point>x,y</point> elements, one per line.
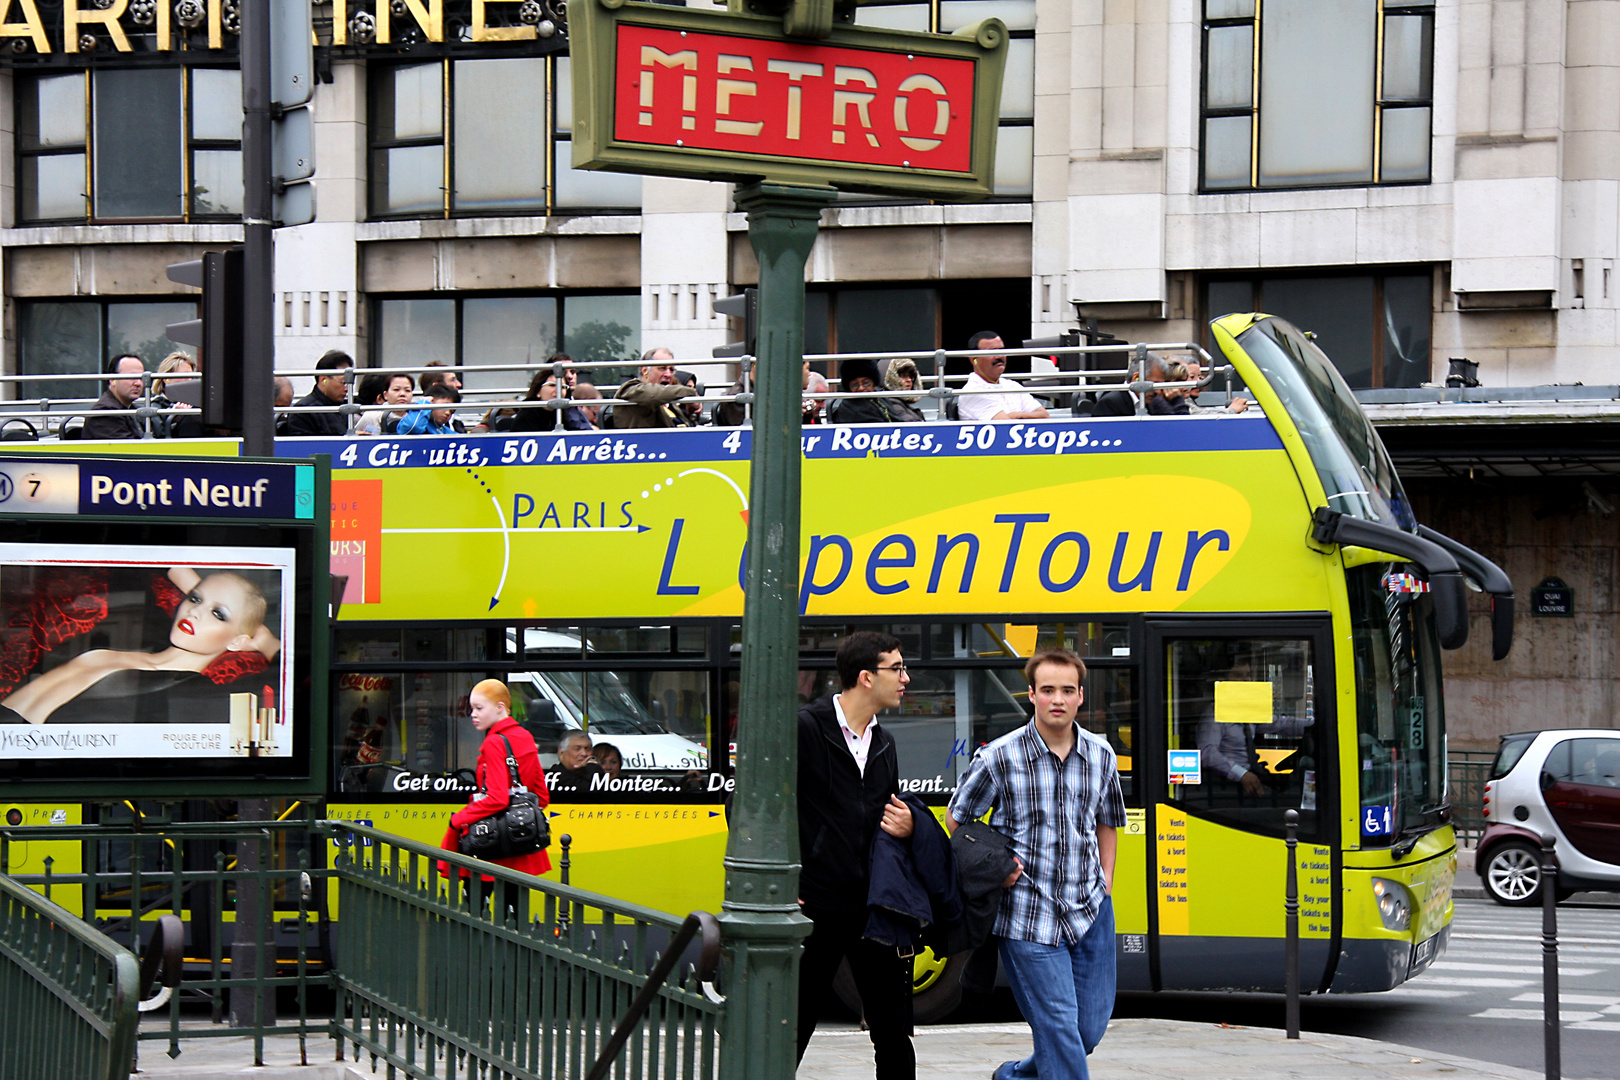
<point>936,987</point>
<point>1513,874</point>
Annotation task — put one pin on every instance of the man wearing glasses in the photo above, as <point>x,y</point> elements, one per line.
<point>976,404</point>
<point>849,785</point>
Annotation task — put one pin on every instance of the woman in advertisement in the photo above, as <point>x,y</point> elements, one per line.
<point>218,631</point>
<point>491,713</point>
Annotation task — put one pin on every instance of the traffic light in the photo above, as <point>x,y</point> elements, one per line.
<point>744,306</point>
<point>292,135</point>
<point>217,335</point>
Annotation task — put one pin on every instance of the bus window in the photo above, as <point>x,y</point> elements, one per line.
<point>657,719</point>
<point>1247,706</point>
<point>1111,709</point>
<point>388,725</point>
<point>1400,717</point>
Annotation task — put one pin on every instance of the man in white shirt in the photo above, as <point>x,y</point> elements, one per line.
<point>977,405</point>
<point>848,788</point>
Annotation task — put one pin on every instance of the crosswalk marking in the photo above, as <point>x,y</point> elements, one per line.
<point>1566,1015</point>
<point>1482,984</point>
<point>1596,1025</point>
<point>1508,969</point>
<point>1611,1001</point>
<point>1408,990</point>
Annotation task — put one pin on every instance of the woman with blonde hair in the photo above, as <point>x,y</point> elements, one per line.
<point>180,426</point>
<point>490,709</point>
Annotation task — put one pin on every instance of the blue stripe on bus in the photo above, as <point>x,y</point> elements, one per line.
<point>1051,437</point>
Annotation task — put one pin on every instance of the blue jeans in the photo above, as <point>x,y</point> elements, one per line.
<point>1066,993</point>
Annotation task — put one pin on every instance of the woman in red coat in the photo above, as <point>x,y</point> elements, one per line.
<point>491,703</point>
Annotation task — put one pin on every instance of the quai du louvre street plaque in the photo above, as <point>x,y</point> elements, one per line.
<point>714,95</point>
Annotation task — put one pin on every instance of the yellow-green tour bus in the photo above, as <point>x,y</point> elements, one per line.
<point>1262,619</point>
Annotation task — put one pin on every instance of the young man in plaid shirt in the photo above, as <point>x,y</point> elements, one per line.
<point>1055,791</point>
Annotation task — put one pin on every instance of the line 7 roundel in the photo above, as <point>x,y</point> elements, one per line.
<point>815,102</point>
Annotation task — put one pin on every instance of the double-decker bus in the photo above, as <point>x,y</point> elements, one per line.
<point>1262,619</point>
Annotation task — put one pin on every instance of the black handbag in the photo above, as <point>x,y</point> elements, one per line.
<point>520,829</point>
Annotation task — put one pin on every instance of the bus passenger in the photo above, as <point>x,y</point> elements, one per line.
<point>814,383</point>
<point>1170,401</point>
<point>1195,371</point>
<point>647,401</point>
<point>576,766</point>
<point>436,421</point>
<point>977,405</point>
<point>1054,788</point>
<point>608,756</point>
<point>330,389</point>
<point>861,377</point>
<point>120,394</point>
<point>902,376</point>
<point>848,788</point>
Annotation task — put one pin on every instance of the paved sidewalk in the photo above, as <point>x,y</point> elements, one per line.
<point>1133,1050</point>
<point>1142,1049</point>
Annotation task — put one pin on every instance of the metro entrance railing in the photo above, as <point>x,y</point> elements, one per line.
<point>450,967</point>
<point>426,979</point>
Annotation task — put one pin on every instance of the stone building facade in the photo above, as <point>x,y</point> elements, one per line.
<point>1414,180</point>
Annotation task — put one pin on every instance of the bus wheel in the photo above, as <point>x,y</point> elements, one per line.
<point>1513,874</point>
<point>936,986</point>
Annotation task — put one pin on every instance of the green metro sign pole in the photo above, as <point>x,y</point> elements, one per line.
<point>792,109</point>
<point>760,917</point>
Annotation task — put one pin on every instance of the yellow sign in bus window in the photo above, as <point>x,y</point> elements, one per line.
<point>1242,702</point>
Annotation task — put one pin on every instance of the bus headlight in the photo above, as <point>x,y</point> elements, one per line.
<point>1394,903</point>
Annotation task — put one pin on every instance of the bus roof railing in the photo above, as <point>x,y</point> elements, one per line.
<point>1054,384</point>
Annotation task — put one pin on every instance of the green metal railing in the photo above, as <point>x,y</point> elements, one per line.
<point>68,994</point>
<point>1468,771</point>
<point>441,975</point>
<point>140,870</point>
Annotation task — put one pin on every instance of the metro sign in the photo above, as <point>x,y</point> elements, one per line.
<point>726,96</point>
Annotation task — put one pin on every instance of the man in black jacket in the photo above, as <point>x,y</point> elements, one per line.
<point>330,389</point>
<point>849,784</point>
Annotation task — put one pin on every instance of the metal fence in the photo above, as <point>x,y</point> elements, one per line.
<point>68,994</point>
<point>1467,771</point>
<point>1062,378</point>
<point>500,974</point>
<point>220,878</point>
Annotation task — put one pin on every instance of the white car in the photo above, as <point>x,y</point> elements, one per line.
<point>552,703</point>
<point>1566,783</point>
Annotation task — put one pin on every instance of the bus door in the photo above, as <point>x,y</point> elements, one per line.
<point>1246,712</point>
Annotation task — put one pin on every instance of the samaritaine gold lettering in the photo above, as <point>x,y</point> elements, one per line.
<point>30,27</point>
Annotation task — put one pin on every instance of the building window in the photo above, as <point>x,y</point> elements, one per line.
<point>481,137</point>
<point>1375,327</point>
<point>1015,141</point>
<point>1316,93</point>
<point>523,330</point>
<point>80,336</point>
<point>130,144</point>
<point>896,317</point>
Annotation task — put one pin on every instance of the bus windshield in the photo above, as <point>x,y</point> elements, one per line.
<point>1400,717</point>
<point>1354,467</point>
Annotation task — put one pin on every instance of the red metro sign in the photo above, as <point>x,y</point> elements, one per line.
<point>693,93</point>
<point>814,102</point>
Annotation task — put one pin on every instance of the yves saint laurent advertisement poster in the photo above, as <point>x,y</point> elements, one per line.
<point>140,652</point>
